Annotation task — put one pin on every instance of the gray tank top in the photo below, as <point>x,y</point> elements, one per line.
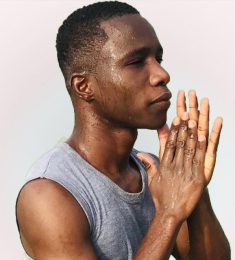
<point>118,220</point>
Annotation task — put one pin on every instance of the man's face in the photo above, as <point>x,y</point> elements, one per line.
<point>131,90</point>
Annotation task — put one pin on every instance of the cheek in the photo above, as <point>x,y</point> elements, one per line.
<point>123,93</point>
<point>136,89</point>
<point>111,96</point>
<point>138,77</point>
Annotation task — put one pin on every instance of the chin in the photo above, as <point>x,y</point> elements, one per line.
<point>159,121</point>
<point>156,126</point>
<point>155,123</point>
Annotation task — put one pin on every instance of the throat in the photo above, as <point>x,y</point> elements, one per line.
<point>130,181</point>
<point>108,150</point>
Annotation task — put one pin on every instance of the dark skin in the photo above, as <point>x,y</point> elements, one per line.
<point>128,79</point>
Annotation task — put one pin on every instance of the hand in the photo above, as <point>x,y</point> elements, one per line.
<point>202,119</point>
<point>177,183</point>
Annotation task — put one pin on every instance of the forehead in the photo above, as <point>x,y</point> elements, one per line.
<point>127,33</point>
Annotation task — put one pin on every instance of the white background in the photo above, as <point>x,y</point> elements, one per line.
<point>35,111</point>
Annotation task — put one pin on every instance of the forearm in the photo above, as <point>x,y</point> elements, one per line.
<point>160,239</point>
<point>207,239</point>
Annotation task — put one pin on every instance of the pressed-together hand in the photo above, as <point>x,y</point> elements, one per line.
<point>202,119</point>
<point>177,183</point>
<point>180,161</point>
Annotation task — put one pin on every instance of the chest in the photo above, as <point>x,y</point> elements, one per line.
<point>121,227</point>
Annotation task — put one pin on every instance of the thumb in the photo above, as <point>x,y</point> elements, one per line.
<point>150,165</point>
<point>163,134</point>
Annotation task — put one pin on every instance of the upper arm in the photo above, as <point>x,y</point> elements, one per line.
<point>52,223</point>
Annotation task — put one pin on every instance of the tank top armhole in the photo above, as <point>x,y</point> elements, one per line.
<point>78,197</point>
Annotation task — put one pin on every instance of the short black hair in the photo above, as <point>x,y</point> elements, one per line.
<point>80,37</point>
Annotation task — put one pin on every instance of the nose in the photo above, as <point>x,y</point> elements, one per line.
<point>158,75</point>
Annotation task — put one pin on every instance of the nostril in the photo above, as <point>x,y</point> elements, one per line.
<point>166,77</point>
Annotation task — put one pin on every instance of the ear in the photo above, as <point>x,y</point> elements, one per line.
<point>80,85</point>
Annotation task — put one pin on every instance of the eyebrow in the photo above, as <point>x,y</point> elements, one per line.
<point>141,51</point>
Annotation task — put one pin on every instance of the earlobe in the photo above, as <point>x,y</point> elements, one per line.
<point>81,87</point>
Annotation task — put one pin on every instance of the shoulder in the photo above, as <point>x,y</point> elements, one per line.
<point>45,207</point>
<point>50,160</point>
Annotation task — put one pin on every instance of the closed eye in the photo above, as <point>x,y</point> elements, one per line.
<point>137,62</point>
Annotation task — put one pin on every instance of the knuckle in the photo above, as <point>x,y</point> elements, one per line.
<point>202,129</point>
<point>180,143</point>
<point>201,146</point>
<point>199,181</point>
<point>212,141</point>
<point>180,172</point>
<point>163,168</point>
<point>151,166</point>
<point>192,136</point>
<point>173,133</point>
<point>170,144</point>
<point>189,152</point>
<point>183,127</point>
<point>196,162</point>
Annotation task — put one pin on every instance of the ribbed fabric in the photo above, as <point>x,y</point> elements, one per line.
<point>118,220</point>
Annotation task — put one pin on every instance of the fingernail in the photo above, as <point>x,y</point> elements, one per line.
<point>185,116</point>
<point>191,123</point>
<point>201,138</point>
<point>176,121</point>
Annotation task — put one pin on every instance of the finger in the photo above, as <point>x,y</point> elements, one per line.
<point>214,136</point>
<point>171,143</point>
<point>163,134</point>
<point>181,103</point>
<point>203,121</point>
<point>193,105</point>
<point>210,158</point>
<point>150,165</point>
<point>199,157</point>
<point>190,147</point>
<point>181,141</point>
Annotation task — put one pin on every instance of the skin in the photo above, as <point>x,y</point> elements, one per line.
<point>207,239</point>
<point>106,105</point>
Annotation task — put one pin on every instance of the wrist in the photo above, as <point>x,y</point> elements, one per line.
<point>169,219</point>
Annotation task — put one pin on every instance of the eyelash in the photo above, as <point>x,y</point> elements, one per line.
<point>141,61</point>
<point>138,62</point>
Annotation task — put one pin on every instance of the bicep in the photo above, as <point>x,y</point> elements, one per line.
<point>52,224</point>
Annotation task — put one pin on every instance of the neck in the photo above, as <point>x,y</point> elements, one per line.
<point>104,146</point>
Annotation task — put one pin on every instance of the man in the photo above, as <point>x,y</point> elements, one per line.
<point>90,197</point>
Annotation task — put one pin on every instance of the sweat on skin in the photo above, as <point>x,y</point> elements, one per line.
<point>128,90</point>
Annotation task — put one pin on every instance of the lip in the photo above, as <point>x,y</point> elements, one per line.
<point>164,97</point>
